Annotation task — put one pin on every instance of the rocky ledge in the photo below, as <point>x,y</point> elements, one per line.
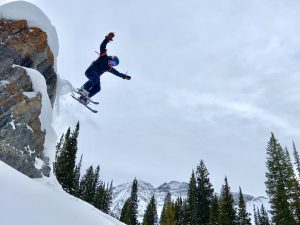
<point>21,137</point>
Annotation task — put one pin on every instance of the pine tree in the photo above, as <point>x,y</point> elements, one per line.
<point>204,194</point>
<point>150,215</point>
<point>256,216</point>
<point>243,216</point>
<point>192,210</point>
<point>87,185</point>
<point>215,211</point>
<point>168,212</point>
<point>297,160</point>
<point>227,211</point>
<point>66,151</point>
<point>278,183</point>
<point>77,176</point>
<point>108,198</point>
<point>134,203</point>
<point>126,212</point>
<point>167,200</point>
<point>293,187</point>
<point>179,211</point>
<point>99,197</point>
<point>263,217</point>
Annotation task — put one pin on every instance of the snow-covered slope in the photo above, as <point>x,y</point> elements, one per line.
<point>29,202</point>
<point>145,191</point>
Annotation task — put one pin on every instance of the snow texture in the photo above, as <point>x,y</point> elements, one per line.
<point>29,202</point>
<point>19,10</point>
<point>39,85</point>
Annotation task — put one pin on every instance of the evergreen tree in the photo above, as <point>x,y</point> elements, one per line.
<point>108,198</point>
<point>58,152</point>
<point>293,188</point>
<point>215,211</point>
<point>243,216</point>
<point>66,151</point>
<point>65,164</point>
<point>134,203</point>
<point>278,184</point>
<point>204,194</point>
<point>126,212</point>
<point>150,216</point>
<point>256,216</point>
<point>99,198</point>
<point>297,160</point>
<point>168,212</point>
<point>227,211</point>
<point>192,210</point>
<point>179,211</point>
<point>77,176</point>
<point>87,185</point>
<point>263,217</point>
<point>167,201</point>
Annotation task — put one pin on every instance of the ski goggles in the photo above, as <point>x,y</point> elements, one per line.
<point>112,63</point>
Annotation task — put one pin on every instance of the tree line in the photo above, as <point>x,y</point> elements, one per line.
<point>88,187</point>
<point>204,207</point>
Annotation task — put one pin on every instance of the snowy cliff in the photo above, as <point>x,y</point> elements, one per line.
<point>26,135</point>
<point>28,84</point>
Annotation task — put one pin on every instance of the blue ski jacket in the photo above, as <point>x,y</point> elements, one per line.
<point>100,65</point>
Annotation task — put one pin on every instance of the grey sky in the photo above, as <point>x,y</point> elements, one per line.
<point>211,80</point>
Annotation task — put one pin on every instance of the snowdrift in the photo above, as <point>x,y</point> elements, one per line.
<point>29,202</point>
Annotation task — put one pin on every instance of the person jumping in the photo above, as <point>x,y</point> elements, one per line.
<point>103,64</point>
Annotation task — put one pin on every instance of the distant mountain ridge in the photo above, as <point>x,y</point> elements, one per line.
<point>145,191</point>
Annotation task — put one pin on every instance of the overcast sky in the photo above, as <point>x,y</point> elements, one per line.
<point>210,80</point>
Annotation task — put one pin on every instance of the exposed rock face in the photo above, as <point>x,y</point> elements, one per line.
<point>21,137</point>
<point>28,47</point>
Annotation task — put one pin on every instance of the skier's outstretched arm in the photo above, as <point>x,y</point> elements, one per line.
<point>117,73</point>
<point>107,39</point>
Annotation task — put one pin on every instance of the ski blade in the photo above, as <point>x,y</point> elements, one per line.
<point>92,110</point>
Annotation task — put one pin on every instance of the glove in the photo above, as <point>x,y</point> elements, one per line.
<point>110,36</point>
<point>127,77</point>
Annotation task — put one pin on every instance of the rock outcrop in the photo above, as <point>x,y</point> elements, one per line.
<point>21,137</point>
<point>27,46</point>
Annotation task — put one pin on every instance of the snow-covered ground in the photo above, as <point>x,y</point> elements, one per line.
<point>33,202</point>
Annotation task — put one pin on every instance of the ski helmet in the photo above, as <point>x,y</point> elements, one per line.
<point>114,61</point>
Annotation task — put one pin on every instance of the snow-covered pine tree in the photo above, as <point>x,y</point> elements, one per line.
<point>227,210</point>
<point>263,217</point>
<point>150,215</point>
<point>192,210</point>
<point>256,215</point>
<point>214,211</point>
<point>243,217</point>
<point>278,183</point>
<point>205,193</point>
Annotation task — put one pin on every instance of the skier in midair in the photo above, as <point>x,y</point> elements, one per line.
<point>102,64</point>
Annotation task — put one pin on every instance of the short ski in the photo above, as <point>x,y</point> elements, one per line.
<point>89,99</point>
<point>77,99</point>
